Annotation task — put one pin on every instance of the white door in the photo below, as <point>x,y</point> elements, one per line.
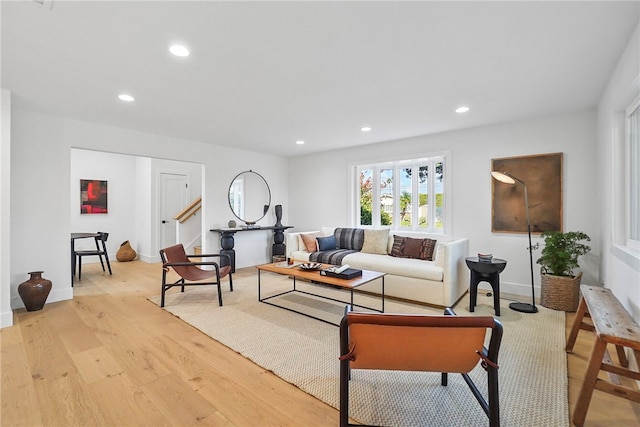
<point>174,196</point>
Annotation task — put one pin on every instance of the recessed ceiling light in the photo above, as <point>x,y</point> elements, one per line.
<point>126,97</point>
<point>179,50</point>
<point>365,128</point>
<point>462,109</point>
<point>300,142</point>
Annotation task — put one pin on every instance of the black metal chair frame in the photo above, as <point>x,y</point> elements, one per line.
<point>488,359</point>
<point>100,240</point>
<point>182,281</point>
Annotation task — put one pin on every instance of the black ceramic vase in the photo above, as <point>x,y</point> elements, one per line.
<point>278,209</point>
<point>34,292</point>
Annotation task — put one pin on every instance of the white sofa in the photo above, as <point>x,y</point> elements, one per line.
<point>441,282</point>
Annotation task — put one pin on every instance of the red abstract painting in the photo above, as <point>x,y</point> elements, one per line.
<point>93,196</point>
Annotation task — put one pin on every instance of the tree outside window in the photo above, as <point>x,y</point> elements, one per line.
<point>366,196</point>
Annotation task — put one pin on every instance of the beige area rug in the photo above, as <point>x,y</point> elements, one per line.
<point>304,352</point>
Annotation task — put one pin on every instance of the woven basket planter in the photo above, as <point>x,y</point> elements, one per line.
<point>126,252</point>
<point>560,292</point>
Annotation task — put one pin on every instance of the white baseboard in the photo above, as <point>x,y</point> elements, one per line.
<point>55,296</point>
<point>149,259</point>
<point>516,289</point>
<point>6,319</point>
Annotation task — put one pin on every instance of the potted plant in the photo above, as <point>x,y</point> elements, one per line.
<point>560,288</point>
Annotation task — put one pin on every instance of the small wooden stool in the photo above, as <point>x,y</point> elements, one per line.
<point>612,325</point>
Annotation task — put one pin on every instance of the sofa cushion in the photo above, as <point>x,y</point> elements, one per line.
<point>375,241</point>
<point>309,241</point>
<point>327,243</point>
<point>349,238</point>
<point>407,267</point>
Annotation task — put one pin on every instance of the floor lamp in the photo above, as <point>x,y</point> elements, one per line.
<point>522,307</point>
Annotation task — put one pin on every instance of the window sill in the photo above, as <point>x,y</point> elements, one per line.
<point>627,255</point>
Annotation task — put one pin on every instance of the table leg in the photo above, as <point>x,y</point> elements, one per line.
<point>495,284</point>
<point>73,260</point>
<point>589,382</point>
<point>226,247</point>
<point>473,291</point>
<point>577,325</point>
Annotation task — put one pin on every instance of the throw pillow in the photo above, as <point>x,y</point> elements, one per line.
<point>349,238</point>
<point>327,243</point>
<point>427,249</point>
<point>407,247</point>
<point>375,241</point>
<point>398,244</point>
<point>411,248</point>
<point>310,242</point>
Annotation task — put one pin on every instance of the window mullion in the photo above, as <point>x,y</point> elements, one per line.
<point>395,223</point>
<point>415,197</point>
<point>432,196</point>
<point>375,205</point>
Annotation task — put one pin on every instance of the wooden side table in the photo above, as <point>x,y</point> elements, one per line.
<point>485,271</point>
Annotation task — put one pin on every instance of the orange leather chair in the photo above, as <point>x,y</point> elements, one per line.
<point>175,257</point>
<point>445,344</point>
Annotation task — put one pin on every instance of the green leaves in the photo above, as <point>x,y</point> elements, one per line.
<point>561,251</point>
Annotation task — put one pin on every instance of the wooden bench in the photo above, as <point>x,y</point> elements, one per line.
<point>612,325</point>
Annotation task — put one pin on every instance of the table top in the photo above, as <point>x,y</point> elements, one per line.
<point>494,260</point>
<point>314,275</point>
<point>225,230</point>
<point>496,265</point>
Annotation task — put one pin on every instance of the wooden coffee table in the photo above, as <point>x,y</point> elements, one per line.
<point>317,278</point>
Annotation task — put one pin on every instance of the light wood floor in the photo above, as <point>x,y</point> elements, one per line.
<point>109,357</point>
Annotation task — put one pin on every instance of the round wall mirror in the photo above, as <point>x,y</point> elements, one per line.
<point>249,197</point>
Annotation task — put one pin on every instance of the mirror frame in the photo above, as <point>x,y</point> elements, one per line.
<point>249,222</point>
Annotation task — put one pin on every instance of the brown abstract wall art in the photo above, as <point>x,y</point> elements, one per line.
<point>543,176</point>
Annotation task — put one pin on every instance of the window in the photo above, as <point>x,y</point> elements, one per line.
<point>633,176</point>
<point>403,194</point>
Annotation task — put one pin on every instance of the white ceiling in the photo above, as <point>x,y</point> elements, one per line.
<point>262,75</point>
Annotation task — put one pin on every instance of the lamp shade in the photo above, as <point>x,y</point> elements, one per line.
<point>503,177</point>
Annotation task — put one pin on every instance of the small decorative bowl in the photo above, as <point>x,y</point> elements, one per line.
<point>310,266</point>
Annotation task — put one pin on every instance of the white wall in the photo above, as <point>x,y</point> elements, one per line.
<point>119,172</point>
<point>620,266</point>
<point>144,210</point>
<point>6,317</point>
<point>470,163</point>
<point>40,189</point>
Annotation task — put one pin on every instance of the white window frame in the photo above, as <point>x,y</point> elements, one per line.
<point>632,174</point>
<point>397,164</point>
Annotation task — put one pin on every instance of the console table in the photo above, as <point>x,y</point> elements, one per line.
<point>227,241</point>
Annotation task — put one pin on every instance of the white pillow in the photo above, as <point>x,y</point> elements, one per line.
<point>375,241</point>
